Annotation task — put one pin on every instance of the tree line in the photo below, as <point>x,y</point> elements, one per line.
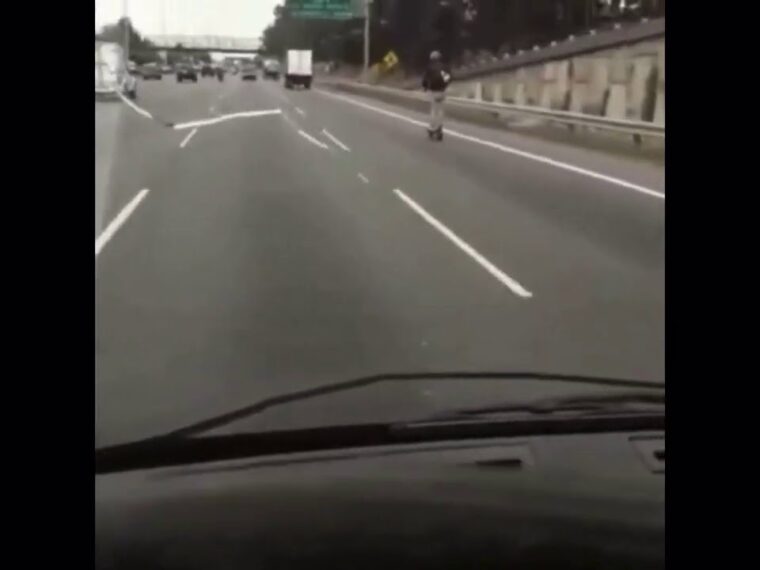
<point>460,29</point>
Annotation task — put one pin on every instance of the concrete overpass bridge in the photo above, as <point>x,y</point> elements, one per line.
<point>225,44</point>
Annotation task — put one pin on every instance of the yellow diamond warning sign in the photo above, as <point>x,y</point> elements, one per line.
<point>390,59</point>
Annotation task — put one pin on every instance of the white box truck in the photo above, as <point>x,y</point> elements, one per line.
<point>298,68</point>
<point>111,73</point>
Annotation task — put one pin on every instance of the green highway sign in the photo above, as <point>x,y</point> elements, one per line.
<point>321,9</point>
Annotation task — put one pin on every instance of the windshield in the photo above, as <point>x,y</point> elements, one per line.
<point>470,185</point>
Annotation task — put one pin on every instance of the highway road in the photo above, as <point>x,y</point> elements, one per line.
<point>330,239</point>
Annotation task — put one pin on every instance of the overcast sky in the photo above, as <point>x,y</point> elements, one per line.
<point>239,18</point>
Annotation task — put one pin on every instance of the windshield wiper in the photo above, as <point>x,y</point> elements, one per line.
<point>362,382</point>
<point>180,448</point>
<point>626,402</point>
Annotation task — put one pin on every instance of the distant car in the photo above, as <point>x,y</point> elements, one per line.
<point>271,69</point>
<point>186,72</point>
<point>166,69</point>
<point>249,72</point>
<point>150,71</point>
<point>207,71</point>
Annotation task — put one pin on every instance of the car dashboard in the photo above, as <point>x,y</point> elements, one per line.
<point>565,501</point>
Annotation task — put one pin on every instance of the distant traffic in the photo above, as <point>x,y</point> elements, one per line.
<point>191,70</point>
<point>298,69</point>
<point>115,76</point>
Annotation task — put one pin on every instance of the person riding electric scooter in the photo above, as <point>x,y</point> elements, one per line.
<point>435,81</point>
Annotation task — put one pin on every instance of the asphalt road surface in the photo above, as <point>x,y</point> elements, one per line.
<point>262,254</point>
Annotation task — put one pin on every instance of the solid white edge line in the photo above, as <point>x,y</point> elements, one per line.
<point>222,118</point>
<point>312,140</point>
<point>118,221</point>
<point>300,111</point>
<point>504,148</point>
<point>363,178</point>
<point>505,279</point>
<point>138,110</point>
<point>335,140</point>
<point>188,137</point>
<point>559,164</point>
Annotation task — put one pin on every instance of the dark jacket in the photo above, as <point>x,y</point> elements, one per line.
<point>436,78</point>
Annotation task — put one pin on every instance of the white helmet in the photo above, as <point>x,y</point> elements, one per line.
<point>435,55</point>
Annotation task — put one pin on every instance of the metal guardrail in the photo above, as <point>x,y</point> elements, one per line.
<point>626,126</point>
<point>567,117</point>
